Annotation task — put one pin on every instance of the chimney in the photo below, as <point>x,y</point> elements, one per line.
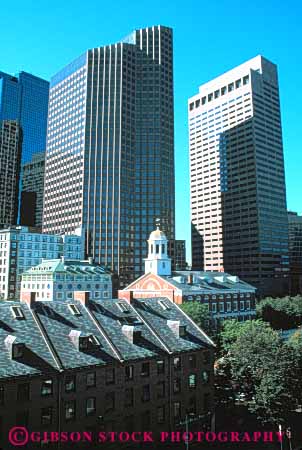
<point>82,297</point>
<point>176,328</point>
<point>126,295</point>
<point>131,334</point>
<point>28,297</point>
<point>190,278</point>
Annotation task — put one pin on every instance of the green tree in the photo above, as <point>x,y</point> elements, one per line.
<point>282,313</point>
<point>229,334</point>
<point>199,313</point>
<point>263,368</point>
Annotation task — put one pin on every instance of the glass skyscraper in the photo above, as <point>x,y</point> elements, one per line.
<point>25,98</point>
<point>238,197</point>
<point>10,151</point>
<point>110,148</point>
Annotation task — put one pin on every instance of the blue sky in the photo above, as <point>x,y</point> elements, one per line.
<point>209,39</point>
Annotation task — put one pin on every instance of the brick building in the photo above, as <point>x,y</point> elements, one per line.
<point>225,295</point>
<point>101,365</point>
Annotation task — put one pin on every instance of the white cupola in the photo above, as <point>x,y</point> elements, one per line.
<point>158,261</point>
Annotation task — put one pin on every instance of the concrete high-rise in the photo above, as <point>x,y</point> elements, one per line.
<point>10,151</point>
<point>32,190</point>
<point>25,98</point>
<point>110,148</point>
<point>295,252</point>
<point>237,182</point>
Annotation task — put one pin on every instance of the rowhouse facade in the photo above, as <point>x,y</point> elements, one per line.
<point>102,365</point>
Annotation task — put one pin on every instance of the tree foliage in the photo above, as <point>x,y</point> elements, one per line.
<point>199,313</point>
<point>282,313</point>
<point>264,368</point>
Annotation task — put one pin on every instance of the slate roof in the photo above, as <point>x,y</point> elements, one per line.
<point>36,358</point>
<point>72,267</point>
<point>45,330</point>
<point>208,283</point>
<point>156,316</point>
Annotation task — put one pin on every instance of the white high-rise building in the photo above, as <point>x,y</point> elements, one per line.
<point>237,182</point>
<point>23,247</point>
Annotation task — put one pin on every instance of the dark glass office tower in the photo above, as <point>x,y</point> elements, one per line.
<point>32,191</point>
<point>10,153</point>
<point>25,98</point>
<point>110,148</point>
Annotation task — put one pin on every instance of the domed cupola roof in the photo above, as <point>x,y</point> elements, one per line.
<point>157,235</point>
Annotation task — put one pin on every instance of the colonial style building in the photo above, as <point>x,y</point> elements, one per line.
<point>226,296</point>
<point>84,364</point>
<point>58,279</point>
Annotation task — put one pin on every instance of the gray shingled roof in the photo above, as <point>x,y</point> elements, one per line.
<point>37,357</point>
<point>46,332</point>
<point>208,282</point>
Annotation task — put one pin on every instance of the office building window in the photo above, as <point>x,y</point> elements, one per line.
<point>160,367</point>
<point>46,416</point>
<point>90,379</point>
<point>110,376</point>
<point>70,410</point>
<point>145,369</point>
<point>90,406</point>
<point>47,387</point>
<point>192,381</point>
<point>177,363</point>
<point>129,373</point>
<point>146,393</point>
<point>70,384</point>
<point>23,392</point>
<point>129,397</point>
<point>160,414</point>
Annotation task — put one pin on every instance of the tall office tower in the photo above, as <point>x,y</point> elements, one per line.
<point>25,98</point>
<point>238,200</point>
<point>10,151</point>
<point>32,190</point>
<point>110,148</point>
<point>295,252</point>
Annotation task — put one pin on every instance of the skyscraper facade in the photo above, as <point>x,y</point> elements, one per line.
<point>10,151</point>
<point>110,148</point>
<point>237,182</point>
<point>25,98</point>
<point>32,190</point>
<point>295,252</point>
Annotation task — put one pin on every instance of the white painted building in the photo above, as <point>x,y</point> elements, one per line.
<point>158,261</point>
<point>23,247</point>
<point>58,279</point>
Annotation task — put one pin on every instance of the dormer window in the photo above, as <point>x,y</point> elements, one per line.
<point>17,351</point>
<point>182,330</point>
<point>93,340</point>
<point>17,312</point>
<point>123,307</point>
<point>74,310</point>
<point>164,304</point>
<point>83,343</point>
